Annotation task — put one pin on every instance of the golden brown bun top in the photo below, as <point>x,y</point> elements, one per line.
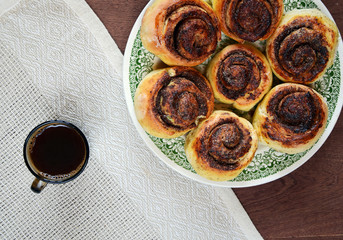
<point>293,115</point>
<point>303,46</point>
<point>240,75</point>
<point>170,101</point>
<point>180,32</point>
<point>248,20</point>
<point>224,141</point>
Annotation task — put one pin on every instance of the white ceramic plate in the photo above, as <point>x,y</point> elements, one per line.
<point>268,164</point>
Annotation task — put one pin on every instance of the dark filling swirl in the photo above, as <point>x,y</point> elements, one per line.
<point>183,99</point>
<point>296,111</point>
<point>239,73</point>
<point>226,144</point>
<point>301,52</point>
<point>251,20</point>
<point>191,32</point>
<point>297,115</point>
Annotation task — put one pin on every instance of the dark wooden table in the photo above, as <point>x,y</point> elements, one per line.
<point>306,204</point>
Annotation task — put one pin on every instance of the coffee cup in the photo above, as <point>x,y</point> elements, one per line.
<point>55,152</point>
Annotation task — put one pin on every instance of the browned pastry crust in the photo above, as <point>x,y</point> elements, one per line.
<point>240,75</point>
<point>291,118</point>
<point>303,46</point>
<point>248,20</point>
<point>180,32</point>
<point>221,146</point>
<point>169,102</point>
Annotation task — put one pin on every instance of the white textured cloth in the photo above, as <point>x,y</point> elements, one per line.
<point>58,61</point>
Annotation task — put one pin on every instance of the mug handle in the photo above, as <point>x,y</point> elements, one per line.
<point>38,185</point>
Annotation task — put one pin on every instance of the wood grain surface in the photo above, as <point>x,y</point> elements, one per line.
<point>306,204</point>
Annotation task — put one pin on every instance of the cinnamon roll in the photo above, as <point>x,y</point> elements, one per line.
<point>180,32</point>
<point>169,102</point>
<point>291,118</point>
<point>240,75</point>
<point>221,146</point>
<point>303,46</point>
<point>248,20</point>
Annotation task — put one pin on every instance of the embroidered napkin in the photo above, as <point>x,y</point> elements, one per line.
<point>58,61</point>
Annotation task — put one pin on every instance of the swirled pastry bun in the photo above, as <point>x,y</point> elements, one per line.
<point>169,102</point>
<point>180,32</point>
<point>291,118</point>
<point>303,46</point>
<point>251,20</point>
<point>221,146</point>
<point>240,75</point>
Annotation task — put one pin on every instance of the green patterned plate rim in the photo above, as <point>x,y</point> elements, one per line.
<point>268,164</point>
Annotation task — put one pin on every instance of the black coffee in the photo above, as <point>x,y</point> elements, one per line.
<point>57,152</point>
